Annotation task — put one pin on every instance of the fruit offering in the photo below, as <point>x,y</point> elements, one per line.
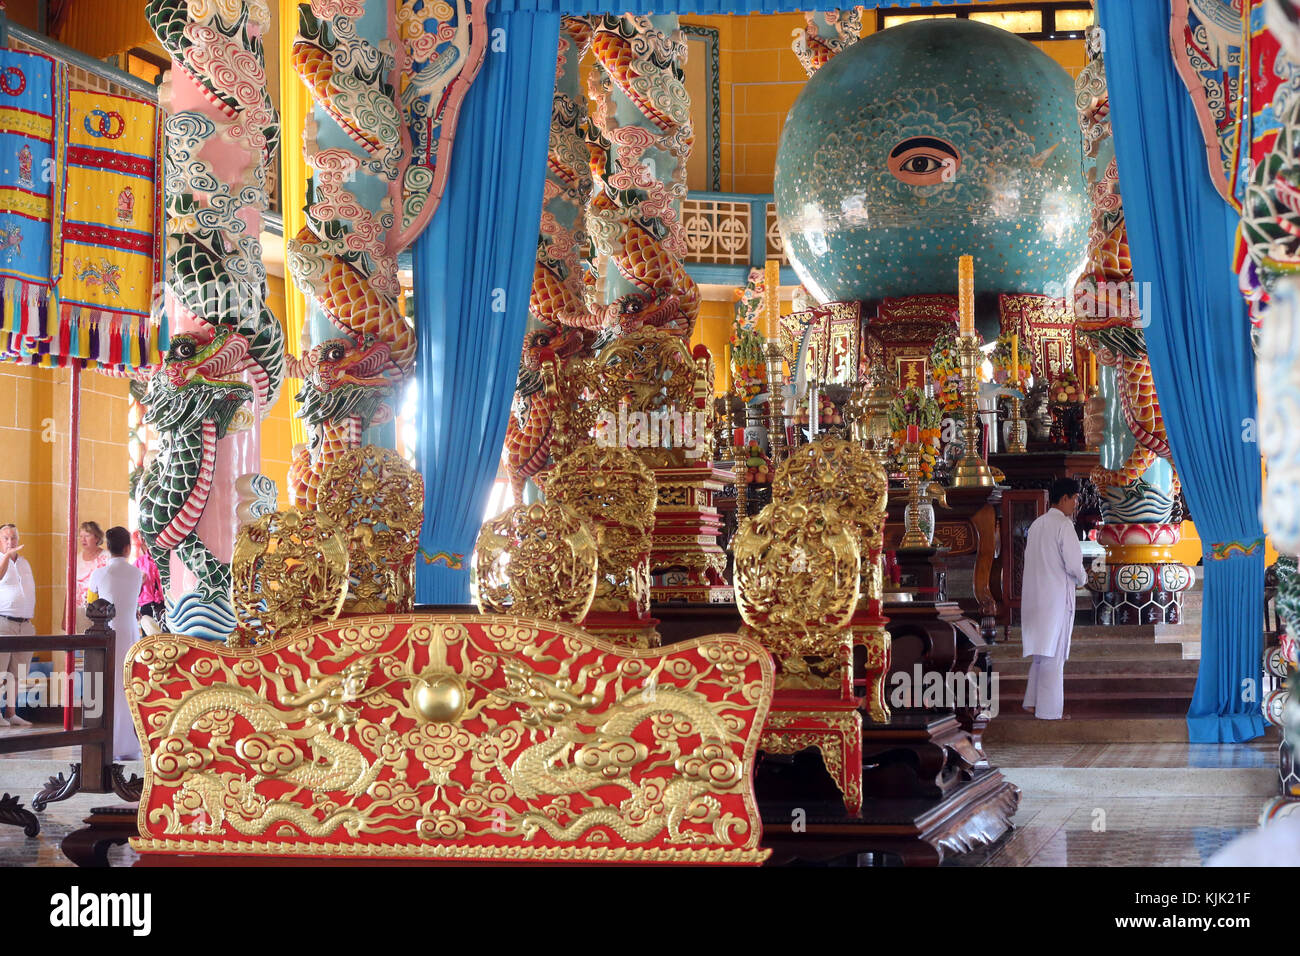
<point>913,407</point>
<point>1065,389</point>
<point>1001,360</point>
<point>758,467</point>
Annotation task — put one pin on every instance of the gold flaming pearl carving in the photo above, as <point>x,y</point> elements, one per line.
<point>650,370</point>
<point>839,474</point>
<point>614,490</point>
<point>440,699</point>
<point>797,581</point>
<point>289,569</point>
<point>537,560</point>
<point>378,499</point>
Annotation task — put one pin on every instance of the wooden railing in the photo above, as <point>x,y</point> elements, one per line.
<point>95,772</point>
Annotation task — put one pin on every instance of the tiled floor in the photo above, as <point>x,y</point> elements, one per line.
<point>1120,831</point>
<point>1101,827</point>
<point>1098,827</point>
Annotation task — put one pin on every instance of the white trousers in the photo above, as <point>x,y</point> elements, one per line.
<point>14,662</point>
<point>1045,689</point>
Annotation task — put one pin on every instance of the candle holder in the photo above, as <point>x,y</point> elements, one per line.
<point>1016,430</point>
<point>972,471</point>
<point>741,474</point>
<point>776,444</point>
<point>913,536</point>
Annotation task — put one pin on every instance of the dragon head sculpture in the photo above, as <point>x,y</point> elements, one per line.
<point>197,381</point>
<point>561,343</point>
<point>343,377</point>
<point>636,310</point>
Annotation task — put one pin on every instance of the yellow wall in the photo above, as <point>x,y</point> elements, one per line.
<point>106,29</point>
<point>34,431</point>
<point>713,329</point>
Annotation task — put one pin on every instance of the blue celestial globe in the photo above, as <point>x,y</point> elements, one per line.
<point>929,141</point>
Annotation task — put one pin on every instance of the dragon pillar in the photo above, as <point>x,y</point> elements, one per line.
<point>641,137</point>
<point>562,322</point>
<point>225,365</point>
<point>826,35</point>
<point>386,80</point>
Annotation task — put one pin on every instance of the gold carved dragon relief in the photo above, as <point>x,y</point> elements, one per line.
<point>450,736</point>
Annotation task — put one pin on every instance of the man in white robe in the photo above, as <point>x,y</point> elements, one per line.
<point>1053,570</point>
<point>119,582</point>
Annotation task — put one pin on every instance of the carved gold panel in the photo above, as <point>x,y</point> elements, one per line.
<point>289,569</point>
<point>446,736</point>
<point>378,499</point>
<point>537,560</point>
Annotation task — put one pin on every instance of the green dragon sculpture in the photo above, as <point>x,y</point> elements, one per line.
<point>191,401</point>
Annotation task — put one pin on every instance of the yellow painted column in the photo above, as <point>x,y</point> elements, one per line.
<point>295,104</point>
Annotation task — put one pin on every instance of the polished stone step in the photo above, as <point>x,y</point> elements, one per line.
<point>1110,686</point>
<point>1117,650</point>
<point>1116,665</point>
<point>1135,632</point>
<point>1016,727</point>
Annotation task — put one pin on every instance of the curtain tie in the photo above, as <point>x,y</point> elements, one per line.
<point>1223,550</point>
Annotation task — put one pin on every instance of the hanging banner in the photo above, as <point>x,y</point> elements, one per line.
<point>111,262</point>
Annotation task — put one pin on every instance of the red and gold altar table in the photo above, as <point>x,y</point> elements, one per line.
<point>449,738</point>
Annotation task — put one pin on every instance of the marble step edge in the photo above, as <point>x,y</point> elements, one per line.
<point>1097,651</point>
<point>1084,729</point>
<point>1165,633</point>
<point>1111,666</point>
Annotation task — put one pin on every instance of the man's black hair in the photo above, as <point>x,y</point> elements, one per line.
<point>1062,487</point>
<point>119,541</point>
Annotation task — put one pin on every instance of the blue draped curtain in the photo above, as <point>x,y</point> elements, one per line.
<point>1181,239</point>
<point>474,266</point>
<point>473,271</point>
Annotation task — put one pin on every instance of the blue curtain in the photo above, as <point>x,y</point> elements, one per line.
<point>1181,240</point>
<point>473,270</point>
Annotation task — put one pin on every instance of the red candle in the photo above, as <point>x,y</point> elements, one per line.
<point>738,438</point>
<point>913,434</point>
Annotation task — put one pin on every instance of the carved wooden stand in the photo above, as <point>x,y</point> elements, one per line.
<point>825,720</point>
<point>916,832</point>
<point>685,555</point>
<point>100,774</point>
<point>968,531</point>
<point>105,827</point>
<point>928,792</point>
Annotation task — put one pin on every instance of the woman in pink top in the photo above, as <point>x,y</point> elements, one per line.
<point>90,557</point>
<point>152,600</point>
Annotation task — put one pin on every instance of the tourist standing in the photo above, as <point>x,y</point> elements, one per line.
<point>1053,571</point>
<point>152,600</point>
<point>118,582</point>
<point>91,556</point>
<point>17,608</point>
